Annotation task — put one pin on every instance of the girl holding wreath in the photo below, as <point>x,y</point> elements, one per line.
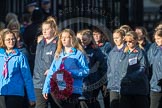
<point>69,67</point>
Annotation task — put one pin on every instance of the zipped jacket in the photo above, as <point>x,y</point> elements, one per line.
<point>18,75</point>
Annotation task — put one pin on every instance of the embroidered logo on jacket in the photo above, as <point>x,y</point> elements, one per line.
<point>49,53</point>
<point>90,55</point>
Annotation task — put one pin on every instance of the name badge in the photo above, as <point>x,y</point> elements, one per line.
<point>133,61</point>
<point>60,81</point>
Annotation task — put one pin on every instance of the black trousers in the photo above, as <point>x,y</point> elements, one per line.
<point>71,102</point>
<point>134,101</point>
<point>106,98</point>
<point>91,97</point>
<point>114,99</point>
<point>43,103</point>
<point>156,100</point>
<point>11,101</point>
<point>2,102</point>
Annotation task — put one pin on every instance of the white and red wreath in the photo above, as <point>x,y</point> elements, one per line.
<point>61,84</point>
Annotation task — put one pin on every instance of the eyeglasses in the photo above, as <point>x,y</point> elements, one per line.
<point>12,39</point>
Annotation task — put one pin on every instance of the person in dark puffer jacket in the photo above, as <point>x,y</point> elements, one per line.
<point>102,41</point>
<point>98,68</point>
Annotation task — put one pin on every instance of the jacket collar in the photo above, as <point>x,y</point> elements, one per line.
<point>13,53</point>
<point>72,52</point>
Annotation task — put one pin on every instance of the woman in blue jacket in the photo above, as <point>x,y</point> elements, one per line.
<point>15,73</point>
<point>70,56</point>
<point>155,61</point>
<point>114,66</point>
<point>134,84</point>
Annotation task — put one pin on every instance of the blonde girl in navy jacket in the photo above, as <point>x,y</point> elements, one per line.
<point>76,63</point>
<point>15,73</point>
<point>134,83</point>
<point>155,61</point>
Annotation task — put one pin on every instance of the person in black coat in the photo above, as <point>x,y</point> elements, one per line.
<point>98,68</point>
<point>31,32</point>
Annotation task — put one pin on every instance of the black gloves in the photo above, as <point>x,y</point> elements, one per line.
<point>160,84</point>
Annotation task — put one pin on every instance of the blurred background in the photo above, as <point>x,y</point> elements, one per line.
<point>110,13</point>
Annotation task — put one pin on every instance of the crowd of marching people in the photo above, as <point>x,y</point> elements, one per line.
<point>42,66</point>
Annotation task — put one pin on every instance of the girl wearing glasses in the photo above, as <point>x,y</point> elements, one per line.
<point>134,83</point>
<point>15,73</point>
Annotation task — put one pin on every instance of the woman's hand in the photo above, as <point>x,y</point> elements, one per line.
<point>32,103</point>
<point>45,96</point>
<point>46,72</point>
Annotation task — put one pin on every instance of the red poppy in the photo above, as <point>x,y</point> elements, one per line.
<point>100,44</point>
<point>13,51</point>
<point>54,41</point>
<point>135,51</point>
<point>65,93</point>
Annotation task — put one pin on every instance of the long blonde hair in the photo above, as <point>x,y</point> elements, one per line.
<point>74,43</point>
